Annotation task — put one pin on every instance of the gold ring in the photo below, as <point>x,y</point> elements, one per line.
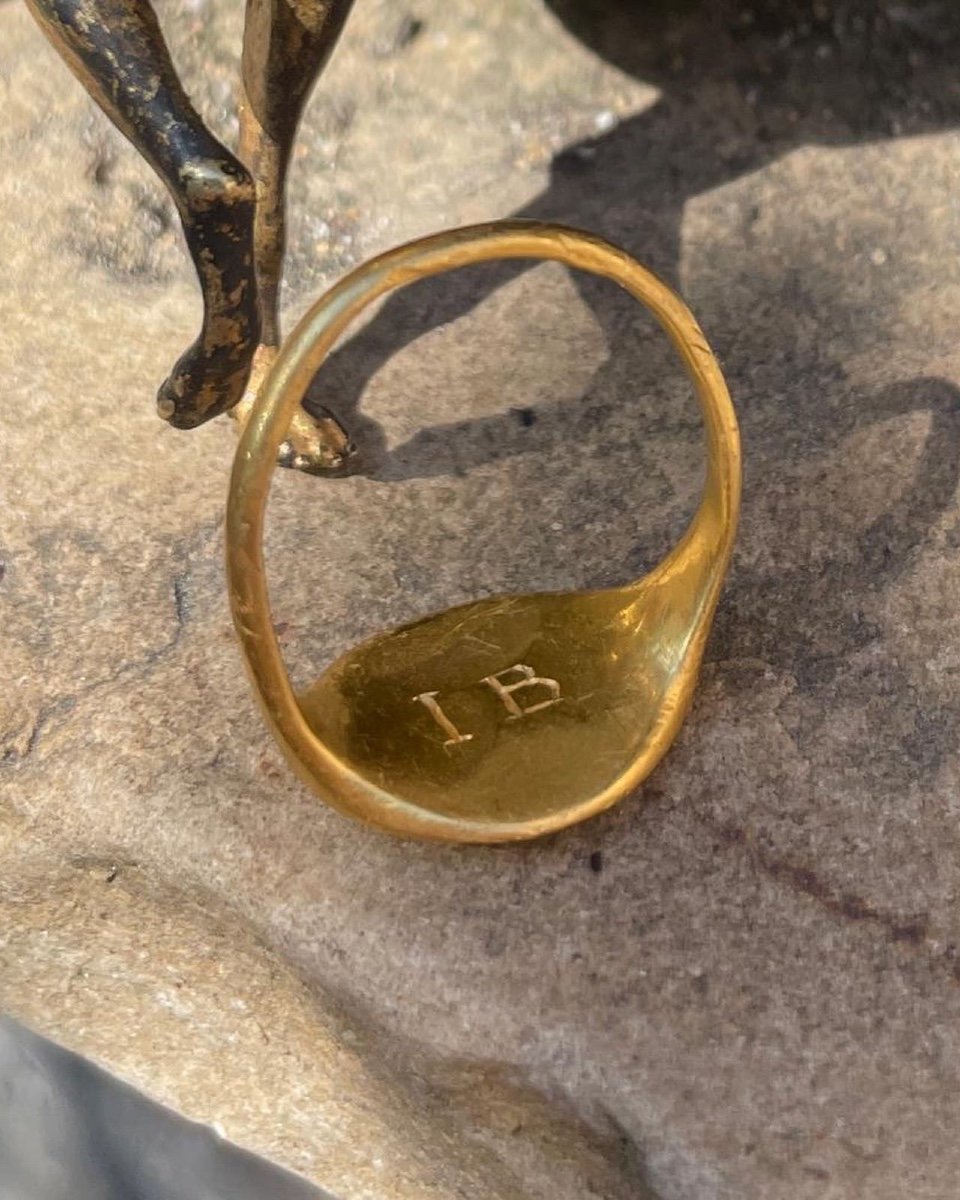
<point>509,717</point>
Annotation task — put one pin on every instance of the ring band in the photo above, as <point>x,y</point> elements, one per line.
<point>510,717</point>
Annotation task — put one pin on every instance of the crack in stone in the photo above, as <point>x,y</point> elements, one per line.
<point>180,603</point>
<point>12,758</point>
<point>911,929</point>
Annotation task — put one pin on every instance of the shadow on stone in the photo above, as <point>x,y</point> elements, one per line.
<point>779,75</point>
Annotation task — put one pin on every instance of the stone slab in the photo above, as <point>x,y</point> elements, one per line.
<point>744,981</point>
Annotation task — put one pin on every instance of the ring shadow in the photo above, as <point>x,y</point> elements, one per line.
<point>735,96</point>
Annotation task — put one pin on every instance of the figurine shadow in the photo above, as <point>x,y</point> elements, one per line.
<point>736,96</point>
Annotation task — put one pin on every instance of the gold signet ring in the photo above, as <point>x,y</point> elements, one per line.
<point>512,716</point>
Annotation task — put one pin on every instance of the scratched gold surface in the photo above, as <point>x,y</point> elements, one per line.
<point>512,716</point>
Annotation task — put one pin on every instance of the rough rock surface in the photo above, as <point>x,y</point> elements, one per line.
<point>741,983</point>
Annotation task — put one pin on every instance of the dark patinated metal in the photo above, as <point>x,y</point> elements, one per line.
<point>232,211</point>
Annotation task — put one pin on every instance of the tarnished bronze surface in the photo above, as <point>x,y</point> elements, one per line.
<point>232,215</point>
<point>285,46</point>
<point>512,716</point>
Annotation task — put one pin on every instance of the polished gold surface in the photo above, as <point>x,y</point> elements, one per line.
<point>313,443</point>
<point>509,717</point>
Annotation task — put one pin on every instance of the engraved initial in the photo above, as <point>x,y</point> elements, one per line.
<point>454,736</point>
<point>529,678</point>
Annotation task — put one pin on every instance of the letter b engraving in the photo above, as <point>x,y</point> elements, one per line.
<point>508,689</point>
<point>528,679</point>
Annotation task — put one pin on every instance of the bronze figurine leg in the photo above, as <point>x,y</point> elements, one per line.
<point>285,46</point>
<point>117,50</point>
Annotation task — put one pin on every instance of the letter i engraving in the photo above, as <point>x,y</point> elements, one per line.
<point>529,678</point>
<point>454,736</point>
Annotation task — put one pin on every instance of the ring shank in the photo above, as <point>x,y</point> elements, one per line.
<point>305,352</point>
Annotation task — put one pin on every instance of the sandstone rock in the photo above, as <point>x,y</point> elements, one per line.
<point>756,995</point>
